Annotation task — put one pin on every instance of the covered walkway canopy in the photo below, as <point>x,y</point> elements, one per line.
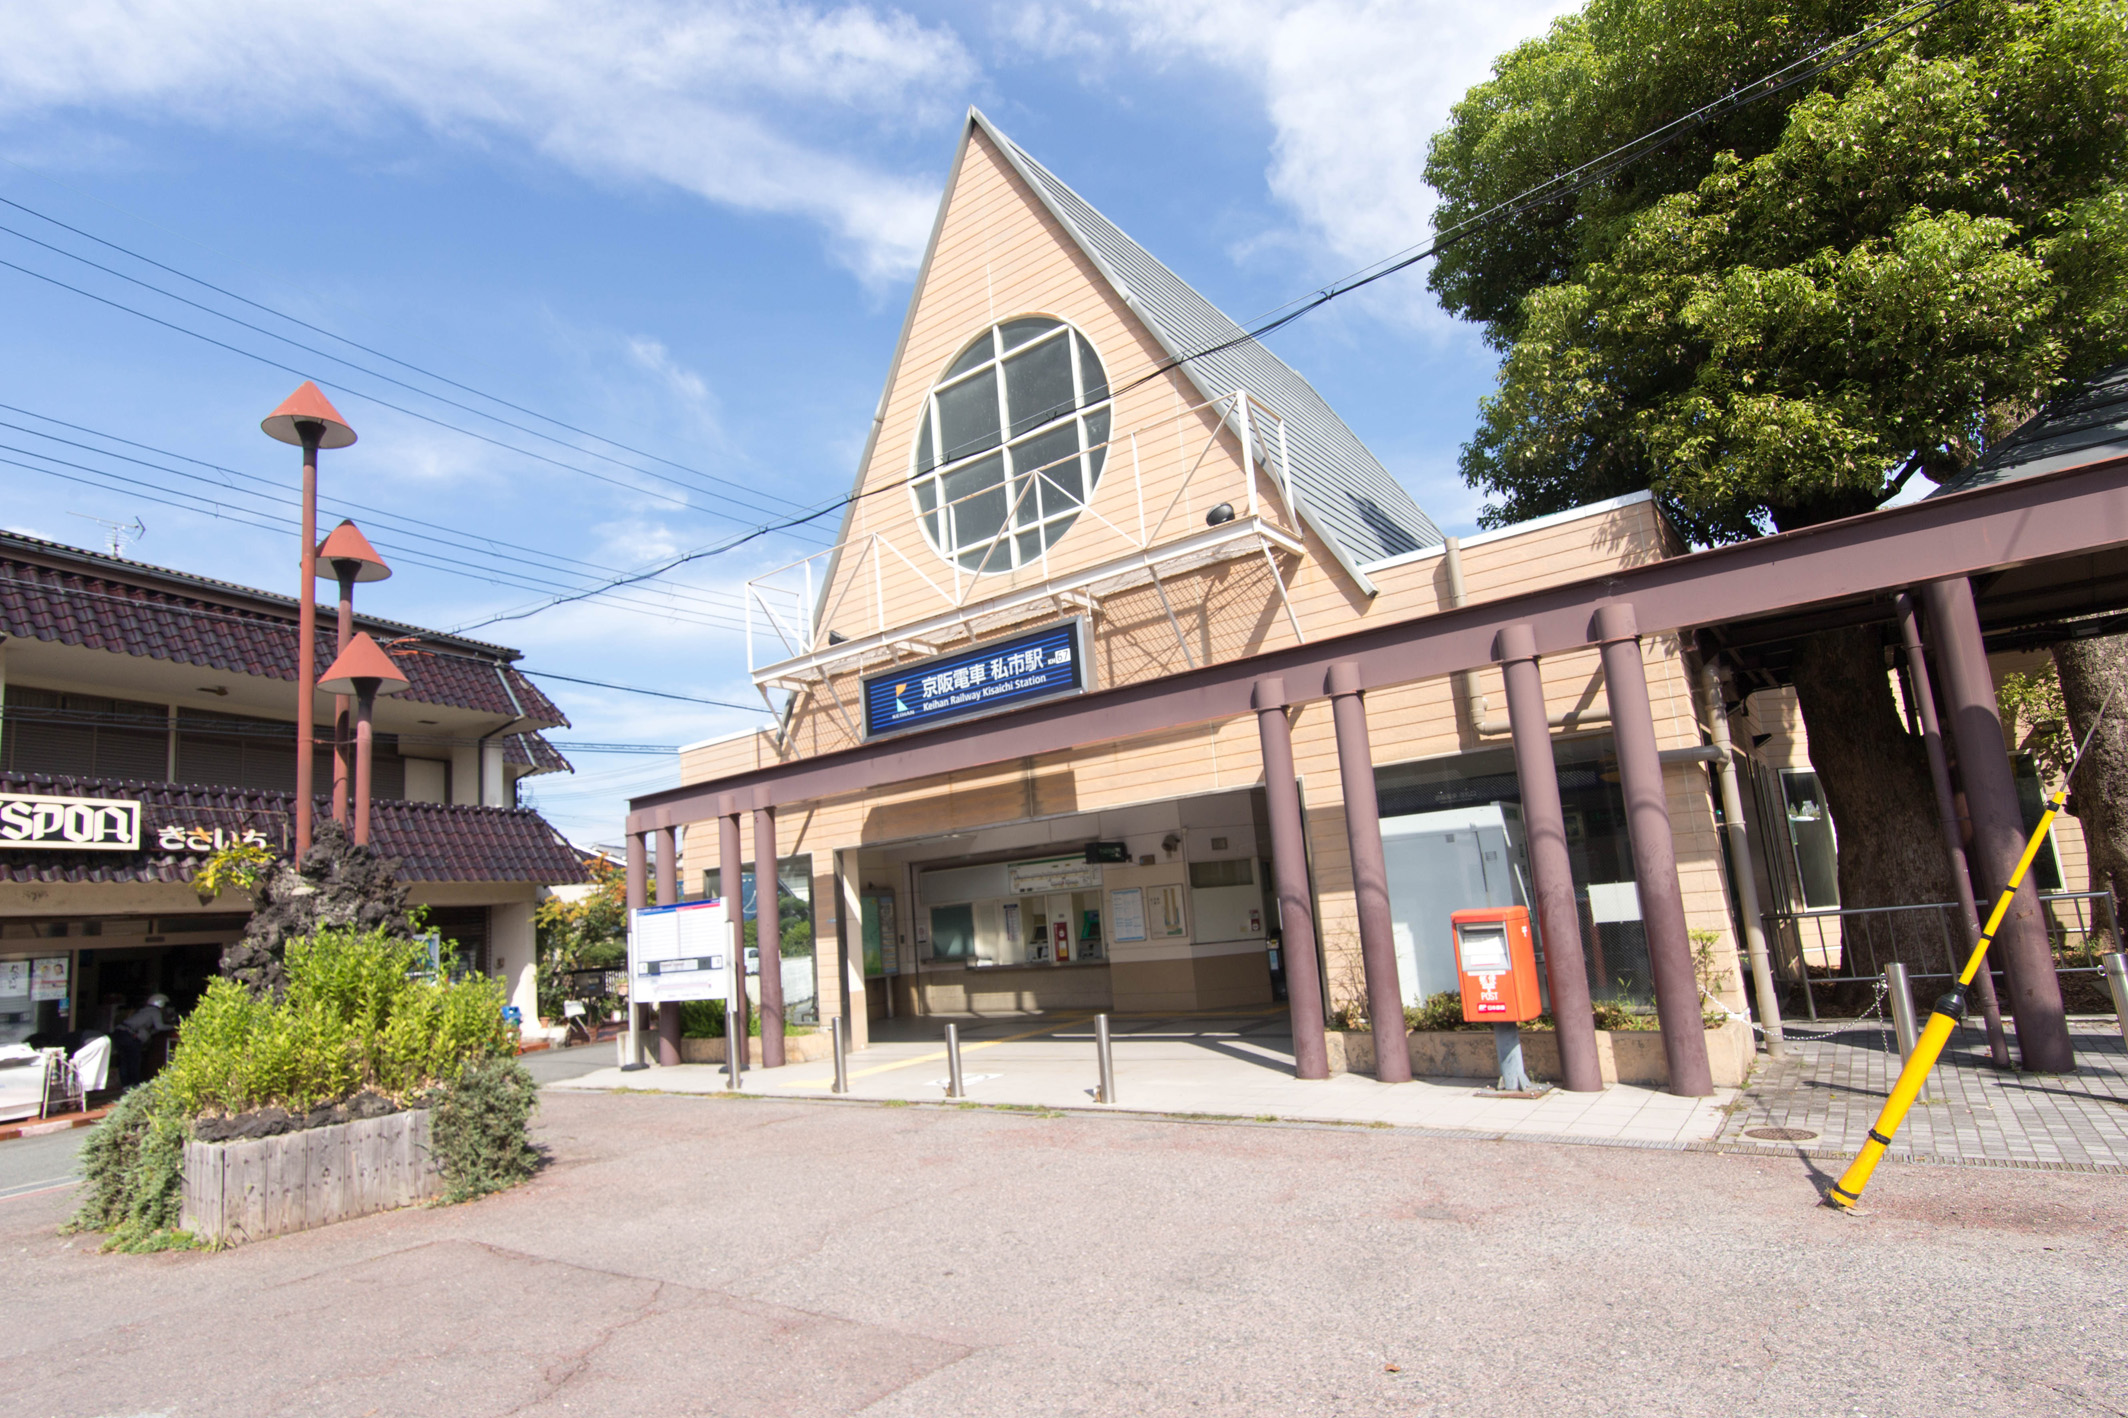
<point>2002,554</point>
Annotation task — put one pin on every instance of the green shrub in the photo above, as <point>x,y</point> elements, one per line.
<point>1437,1012</point>
<point>132,1175</point>
<point>1444,1011</point>
<point>704,1019</point>
<point>361,1012</point>
<point>477,1127</point>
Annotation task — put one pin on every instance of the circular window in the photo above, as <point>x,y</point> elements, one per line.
<point>1012,443</point>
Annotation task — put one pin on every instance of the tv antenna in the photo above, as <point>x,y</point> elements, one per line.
<point>116,534</point>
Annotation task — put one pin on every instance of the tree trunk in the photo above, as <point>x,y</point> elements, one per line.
<point>2090,670</point>
<point>1875,777</point>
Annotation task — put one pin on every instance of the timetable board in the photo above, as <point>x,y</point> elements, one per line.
<point>679,952</point>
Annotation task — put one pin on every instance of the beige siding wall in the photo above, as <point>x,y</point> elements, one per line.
<point>1406,722</point>
<point>999,255</point>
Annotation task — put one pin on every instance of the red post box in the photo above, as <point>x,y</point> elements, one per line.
<point>1496,965</point>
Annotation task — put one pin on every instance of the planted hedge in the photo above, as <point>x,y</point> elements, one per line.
<point>362,1018</point>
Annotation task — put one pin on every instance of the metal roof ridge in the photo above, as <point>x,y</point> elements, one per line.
<point>1021,162</point>
<point>1516,529</point>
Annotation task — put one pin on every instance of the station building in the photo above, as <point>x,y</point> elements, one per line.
<point>147,720</point>
<point>1136,683</point>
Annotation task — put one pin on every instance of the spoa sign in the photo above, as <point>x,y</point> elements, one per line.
<point>69,824</point>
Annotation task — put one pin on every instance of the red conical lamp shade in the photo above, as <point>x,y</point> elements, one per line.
<point>346,543</point>
<point>362,659</point>
<point>307,405</point>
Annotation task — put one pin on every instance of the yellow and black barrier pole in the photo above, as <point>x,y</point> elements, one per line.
<point>1949,1009</point>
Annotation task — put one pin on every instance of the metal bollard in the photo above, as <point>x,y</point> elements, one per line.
<point>1107,1060</point>
<point>2117,980</point>
<point>1902,1000</point>
<point>842,1055</point>
<point>954,1088</point>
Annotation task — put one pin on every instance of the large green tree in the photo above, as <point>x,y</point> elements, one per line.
<point>1786,316</point>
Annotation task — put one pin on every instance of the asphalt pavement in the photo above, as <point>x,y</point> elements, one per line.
<point>557,1065</point>
<point>39,1162</point>
<point>684,1255</point>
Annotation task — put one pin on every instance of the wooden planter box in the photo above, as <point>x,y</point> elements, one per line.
<point>269,1186</point>
<point>797,1048</point>
<point>1626,1056</point>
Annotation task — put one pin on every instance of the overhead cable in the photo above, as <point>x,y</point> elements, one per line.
<point>380,354</point>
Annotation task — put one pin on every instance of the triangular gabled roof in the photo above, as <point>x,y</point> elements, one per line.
<point>1349,499</point>
<point>1353,502</point>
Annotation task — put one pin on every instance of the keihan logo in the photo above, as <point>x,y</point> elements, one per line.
<point>899,707</point>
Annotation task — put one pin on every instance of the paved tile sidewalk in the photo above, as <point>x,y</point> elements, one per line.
<point>1837,1074</point>
<point>1224,1068</point>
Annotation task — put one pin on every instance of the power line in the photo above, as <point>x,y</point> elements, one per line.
<point>700,554</point>
<point>1597,169</point>
<point>372,373</point>
<point>195,721</point>
<point>708,613</point>
<point>263,621</point>
<point>337,502</point>
<point>653,693</point>
<point>1819,61</point>
<point>406,555</point>
<point>360,394</point>
<point>380,354</point>
<point>706,601</point>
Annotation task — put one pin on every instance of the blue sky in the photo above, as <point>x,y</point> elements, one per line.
<point>688,228</point>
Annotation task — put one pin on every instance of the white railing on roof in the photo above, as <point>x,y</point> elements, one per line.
<point>828,614</point>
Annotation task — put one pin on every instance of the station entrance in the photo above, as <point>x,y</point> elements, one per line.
<point>1154,908</point>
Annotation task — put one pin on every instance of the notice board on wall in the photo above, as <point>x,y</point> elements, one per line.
<point>679,952</point>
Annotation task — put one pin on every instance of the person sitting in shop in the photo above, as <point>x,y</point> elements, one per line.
<point>133,1033</point>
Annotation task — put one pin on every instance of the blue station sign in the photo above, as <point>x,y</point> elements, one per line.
<point>1003,674</point>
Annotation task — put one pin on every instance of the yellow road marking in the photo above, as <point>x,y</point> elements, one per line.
<point>941,1054</point>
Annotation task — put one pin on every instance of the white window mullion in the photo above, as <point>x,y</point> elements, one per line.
<point>1008,463</point>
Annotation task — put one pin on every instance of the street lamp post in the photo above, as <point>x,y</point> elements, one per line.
<point>352,559</point>
<point>364,671</point>
<point>307,419</point>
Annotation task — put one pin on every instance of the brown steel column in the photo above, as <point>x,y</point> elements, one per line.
<point>1552,873</point>
<point>1917,678</point>
<point>668,879</point>
<point>1998,827</point>
<point>768,930</point>
<point>1370,874</point>
<point>668,865</point>
<point>1662,902</point>
<point>1289,859</point>
<point>638,898</point>
<point>730,867</point>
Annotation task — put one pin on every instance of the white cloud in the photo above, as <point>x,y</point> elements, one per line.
<point>715,100</point>
<point>1354,90</point>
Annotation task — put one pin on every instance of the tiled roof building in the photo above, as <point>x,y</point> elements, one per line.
<point>159,707</point>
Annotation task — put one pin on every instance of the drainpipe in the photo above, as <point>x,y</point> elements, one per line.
<point>1474,704</point>
<point>1747,887</point>
<point>480,753</point>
